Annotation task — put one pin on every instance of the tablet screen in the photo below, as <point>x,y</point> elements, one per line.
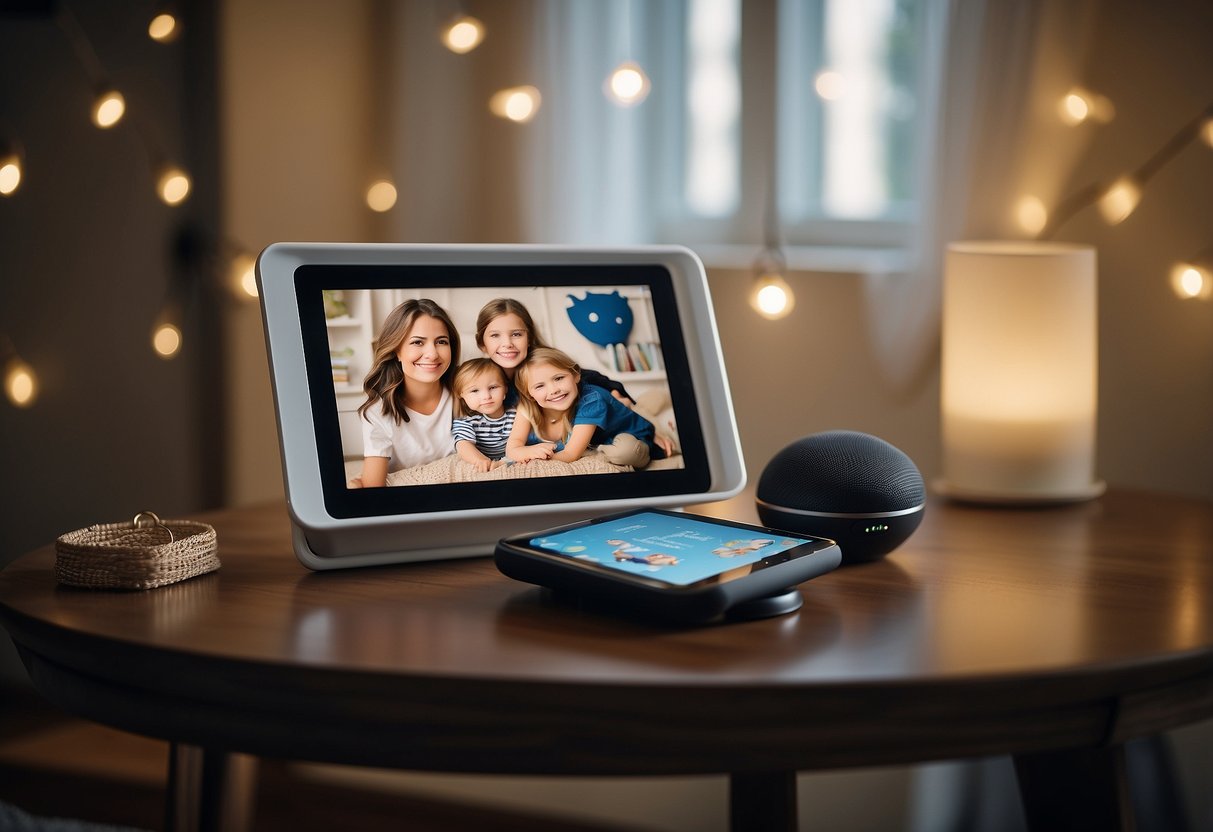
<point>617,328</point>
<point>675,549</point>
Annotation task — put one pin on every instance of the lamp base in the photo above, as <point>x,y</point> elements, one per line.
<point>1018,498</point>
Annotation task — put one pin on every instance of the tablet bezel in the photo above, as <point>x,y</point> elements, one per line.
<point>334,527</point>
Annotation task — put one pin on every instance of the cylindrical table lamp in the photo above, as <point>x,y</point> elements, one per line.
<point>1019,372</point>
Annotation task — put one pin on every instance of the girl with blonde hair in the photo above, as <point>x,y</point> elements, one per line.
<point>559,417</point>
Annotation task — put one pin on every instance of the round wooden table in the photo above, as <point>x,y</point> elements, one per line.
<point>1052,634</point>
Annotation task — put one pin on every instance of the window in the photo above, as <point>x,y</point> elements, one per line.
<point>816,109</point>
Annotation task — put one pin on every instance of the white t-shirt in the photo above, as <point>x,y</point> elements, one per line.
<point>423,438</point>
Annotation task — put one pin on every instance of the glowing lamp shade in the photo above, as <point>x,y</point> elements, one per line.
<point>771,296</point>
<point>627,85</point>
<point>515,103</point>
<point>108,109</point>
<point>163,27</point>
<point>1019,372</point>
<point>462,34</point>
<point>381,196</point>
<point>10,174</point>
<point>20,383</point>
<point>173,186</point>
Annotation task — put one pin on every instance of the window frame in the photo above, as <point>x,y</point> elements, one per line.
<point>763,100</point>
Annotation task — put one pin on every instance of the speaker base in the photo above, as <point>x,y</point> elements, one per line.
<point>769,606</point>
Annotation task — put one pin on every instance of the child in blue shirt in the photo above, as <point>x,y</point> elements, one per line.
<point>559,417</point>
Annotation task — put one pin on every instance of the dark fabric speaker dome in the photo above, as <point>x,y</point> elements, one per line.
<point>842,471</point>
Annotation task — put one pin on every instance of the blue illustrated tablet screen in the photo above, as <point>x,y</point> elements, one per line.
<point>676,549</point>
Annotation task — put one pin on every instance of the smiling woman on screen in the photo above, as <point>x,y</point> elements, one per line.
<point>406,418</point>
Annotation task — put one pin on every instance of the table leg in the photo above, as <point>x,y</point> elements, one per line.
<point>763,802</point>
<point>1075,789</point>
<point>209,790</point>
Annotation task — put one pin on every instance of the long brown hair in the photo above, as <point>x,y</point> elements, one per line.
<point>526,402</point>
<point>504,306</point>
<point>385,381</point>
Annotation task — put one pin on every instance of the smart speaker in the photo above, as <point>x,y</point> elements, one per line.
<point>853,488</point>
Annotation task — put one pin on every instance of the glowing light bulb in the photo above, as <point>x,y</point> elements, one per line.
<point>163,27</point>
<point>627,85</point>
<point>1206,132</point>
<point>1119,200</point>
<point>1191,281</point>
<point>381,196</point>
<point>244,276</point>
<point>10,174</point>
<point>462,34</point>
<point>830,85</point>
<point>20,383</point>
<point>166,340</point>
<point>1075,107</point>
<point>771,296</point>
<point>516,103</point>
<point>173,186</point>
<point>108,109</point>
<point>1079,105</point>
<point>1031,214</point>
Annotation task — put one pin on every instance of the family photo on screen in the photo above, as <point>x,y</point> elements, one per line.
<point>462,387</point>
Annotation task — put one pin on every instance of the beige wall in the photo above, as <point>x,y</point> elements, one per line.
<point>297,99</point>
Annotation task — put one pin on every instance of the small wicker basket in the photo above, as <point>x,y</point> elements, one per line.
<point>141,554</point>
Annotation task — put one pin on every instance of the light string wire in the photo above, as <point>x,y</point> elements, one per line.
<point>1091,194</point>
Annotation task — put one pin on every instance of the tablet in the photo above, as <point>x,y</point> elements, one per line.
<point>372,470</point>
<point>671,565</point>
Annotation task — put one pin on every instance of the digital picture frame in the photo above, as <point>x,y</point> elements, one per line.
<point>638,321</point>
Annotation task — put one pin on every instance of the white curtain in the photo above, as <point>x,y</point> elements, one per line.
<point>1002,61</point>
<point>585,167</point>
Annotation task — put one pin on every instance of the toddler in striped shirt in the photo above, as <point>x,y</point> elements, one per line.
<point>482,422</point>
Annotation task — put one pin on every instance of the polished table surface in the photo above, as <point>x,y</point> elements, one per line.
<point>992,630</point>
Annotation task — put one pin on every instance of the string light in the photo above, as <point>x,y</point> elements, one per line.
<point>20,381</point>
<point>462,34</point>
<point>381,196</point>
<point>166,331</point>
<point>1031,214</point>
<point>163,28</point>
<point>108,108</point>
<point>770,295</point>
<point>166,340</point>
<point>173,185</point>
<point>829,84</point>
<point>1119,200</point>
<point>1116,202</point>
<point>10,170</point>
<point>242,273</point>
<point>1079,105</point>
<point>627,85</point>
<point>516,103</point>
<point>1191,281</point>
